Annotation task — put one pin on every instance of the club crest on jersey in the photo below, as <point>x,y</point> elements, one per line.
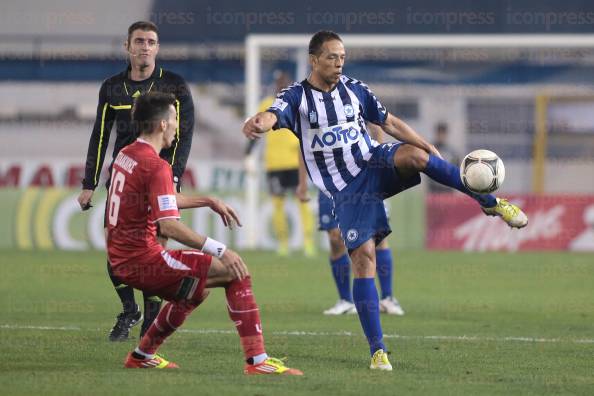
<point>352,235</point>
<point>313,117</point>
<point>348,110</point>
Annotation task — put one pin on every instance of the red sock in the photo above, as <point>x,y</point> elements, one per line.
<point>169,319</point>
<point>244,311</point>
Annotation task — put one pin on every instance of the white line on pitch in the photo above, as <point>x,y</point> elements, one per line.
<point>298,333</point>
<point>27,327</point>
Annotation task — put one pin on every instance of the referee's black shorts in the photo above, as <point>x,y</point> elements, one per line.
<point>282,181</point>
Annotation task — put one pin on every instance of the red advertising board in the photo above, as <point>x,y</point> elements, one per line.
<point>555,222</point>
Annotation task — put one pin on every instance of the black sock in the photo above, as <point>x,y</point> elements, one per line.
<point>137,355</point>
<point>152,306</point>
<point>125,292</point>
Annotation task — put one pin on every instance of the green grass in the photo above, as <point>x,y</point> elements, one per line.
<point>486,297</point>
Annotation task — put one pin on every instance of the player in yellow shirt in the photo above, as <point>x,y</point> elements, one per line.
<point>282,159</point>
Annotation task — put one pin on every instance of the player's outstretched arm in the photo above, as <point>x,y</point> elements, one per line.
<point>255,126</point>
<point>400,130</point>
<point>174,229</point>
<point>228,215</point>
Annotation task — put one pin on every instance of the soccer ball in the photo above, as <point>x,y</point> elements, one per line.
<point>482,171</point>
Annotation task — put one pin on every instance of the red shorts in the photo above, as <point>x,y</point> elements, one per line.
<point>172,274</point>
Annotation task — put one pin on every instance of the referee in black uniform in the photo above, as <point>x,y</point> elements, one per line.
<point>116,98</point>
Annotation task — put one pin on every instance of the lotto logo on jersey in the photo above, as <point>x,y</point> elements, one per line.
<point>337,136</point>
<point>167,202</point>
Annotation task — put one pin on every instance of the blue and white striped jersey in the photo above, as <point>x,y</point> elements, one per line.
<point>331,128</point>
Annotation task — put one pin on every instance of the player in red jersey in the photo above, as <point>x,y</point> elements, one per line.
<point>141,196</point>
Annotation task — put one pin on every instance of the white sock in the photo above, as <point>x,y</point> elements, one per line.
<point>146,355</point>
<point>259,358</point>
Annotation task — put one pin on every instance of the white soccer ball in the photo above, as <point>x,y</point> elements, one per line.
<point>482,171</point>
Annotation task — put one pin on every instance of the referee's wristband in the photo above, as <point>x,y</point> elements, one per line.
<point>214,248</point>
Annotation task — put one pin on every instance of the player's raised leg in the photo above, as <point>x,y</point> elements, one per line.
<point>409,159</point>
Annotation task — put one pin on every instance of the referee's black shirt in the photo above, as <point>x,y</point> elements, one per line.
<point>116,97</point>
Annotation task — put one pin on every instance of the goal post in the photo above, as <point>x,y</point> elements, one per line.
<point>256,44</point>
<point>551,118</point>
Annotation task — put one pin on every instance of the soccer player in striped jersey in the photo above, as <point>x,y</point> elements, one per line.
<point>341,265</point>
<point>327,112</point>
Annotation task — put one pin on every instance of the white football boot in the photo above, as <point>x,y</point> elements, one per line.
<point>341,307</point>
<point>391,306</point>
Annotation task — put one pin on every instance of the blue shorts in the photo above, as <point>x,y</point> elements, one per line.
<point>326,219</point>
<point>359,207</point>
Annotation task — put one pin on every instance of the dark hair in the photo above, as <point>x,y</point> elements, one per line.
<point>149,109</point>
<point>144,26</point>
<point>318,39</point>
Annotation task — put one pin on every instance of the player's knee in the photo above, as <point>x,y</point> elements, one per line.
<point>226,278</point>
<point>411,157</point>
<point>363,259</point>
<point>219,275</point>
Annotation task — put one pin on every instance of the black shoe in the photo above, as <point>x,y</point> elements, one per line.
<point>125,321</point>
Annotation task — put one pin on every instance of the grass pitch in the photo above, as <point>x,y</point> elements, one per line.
<point>474,324</point>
